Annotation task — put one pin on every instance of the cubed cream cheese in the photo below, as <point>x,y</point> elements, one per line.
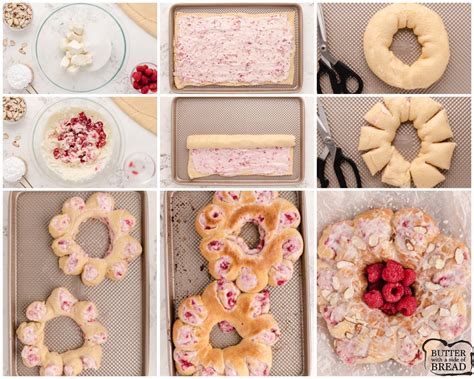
<point>81,59</point>
<point>75,47</point>
<point>73,69</point>
<point>77,28</point>
<point>65,62</point>
<point>71,36</point>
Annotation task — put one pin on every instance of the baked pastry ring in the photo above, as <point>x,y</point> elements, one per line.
<point>222,303</point>
<point>73,260</point>
<point>432,125</point>
<point>70,363</point>
<point>271,261</point>
<point>412,238</point>
<point>432,36</point>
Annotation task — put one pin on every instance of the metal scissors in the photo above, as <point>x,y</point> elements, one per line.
<point>339,74</point>
<point>330,147</point>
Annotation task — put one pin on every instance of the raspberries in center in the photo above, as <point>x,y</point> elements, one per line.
<point>389,288</point>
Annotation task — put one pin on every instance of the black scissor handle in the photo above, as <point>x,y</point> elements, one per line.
<point>324,69</point>
<point>339,160</point>
<point>345,74</point>
<point>322,178</point>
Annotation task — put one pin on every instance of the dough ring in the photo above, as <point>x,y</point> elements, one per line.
<point>222,303</point>
<point>412,238</point>
<point>70,363</point>
<point>431,122</point>
<point>431,34</point>
<point>73,260</point>
<point>271,261</point>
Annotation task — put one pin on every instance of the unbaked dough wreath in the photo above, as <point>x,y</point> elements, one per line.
<point>430,120</point>
<point>70,363</point>
<point>412,238</point>
<point>271,261</point>
<point>432,36</point>
<point>73,260</point>
<point>222,303</point>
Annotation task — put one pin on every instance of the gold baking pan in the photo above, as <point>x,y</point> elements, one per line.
<point>33,273</point>
<point>187,274</point>
<point>236,115</point>
<point>242,8</point>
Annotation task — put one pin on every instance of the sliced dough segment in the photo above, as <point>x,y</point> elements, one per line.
<point>397,172</point>
<point>380,117</point>
<point>398,107</point>
<point>438,154</point>
<point>437,129</point>
<point>371,138</point>
<point>425,175</point>
<point>377,159</point>
<point>422,109</point>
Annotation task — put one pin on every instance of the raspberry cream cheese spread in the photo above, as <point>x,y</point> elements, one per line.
<point>272,260</point>
<point>73,260</point>
<point>61,303</point>
<point>223,304</point>
<point>232,155</point>
<point>77,144</point>
<point>387,282</point>
<point>238,49</point>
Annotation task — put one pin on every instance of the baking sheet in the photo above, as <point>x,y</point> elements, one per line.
<point>123,306</point>
<point>236,115</point>
<point>345,26</point>
<point>187,274</point>
<point>242,8</point>
<point>346,116</point>
<point>451,209</point>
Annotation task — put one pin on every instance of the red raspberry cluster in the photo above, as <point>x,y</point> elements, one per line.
<point>145,79</point>
<point>389,288</point>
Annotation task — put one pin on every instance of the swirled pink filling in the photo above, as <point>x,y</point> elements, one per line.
<point>31,355</point>
<point>290,247</point>
<point>90,272</point>
<point>233,49</point>
<point>88,362</point>
<point>66,301</point>
<point>36,311</point>
<point>260,303</point>
<point>228,162</point>
<point>226,326</point>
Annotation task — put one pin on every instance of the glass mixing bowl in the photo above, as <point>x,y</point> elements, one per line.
<point>115,138</point>
<point>98,22</point>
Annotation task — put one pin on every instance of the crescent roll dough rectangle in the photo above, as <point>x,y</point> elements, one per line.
<point>232,155</point>
<point>230,55</point>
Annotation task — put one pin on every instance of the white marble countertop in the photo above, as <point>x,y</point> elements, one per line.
<point>310,264</point>
<point>135,139</point>
<point>152,274</point>
<point>308,85</point>
<point>145,51</point>
<point>166,177</point>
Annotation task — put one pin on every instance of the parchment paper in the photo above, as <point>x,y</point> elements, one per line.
<point>452,210</point>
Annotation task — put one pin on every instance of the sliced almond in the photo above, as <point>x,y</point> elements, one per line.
<point>439,264</point>
<point>409,246</point>
<point>402,332</point>
<point>373,333</point>
<point>350,319</point>
<point>432,325</point>
<point>432,286</point>
<point>335,283</point>
<point>454,310</point>
<point>389,332</point>
<point>430,310</point>
<point>443,312</point>
<point>358,243</point>
<point>349,335</point>
<point>344,264</point>
<point>430,248</point>
<point>333,299</point>
<point>349,293</point>
<point>325,293</point>
<point>420,229</point>
<point>424,331</point>
<point>373,240</point>
<point>459,256</point>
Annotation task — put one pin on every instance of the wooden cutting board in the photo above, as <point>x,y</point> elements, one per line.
<point>144,15</point>
<point>142,110</point>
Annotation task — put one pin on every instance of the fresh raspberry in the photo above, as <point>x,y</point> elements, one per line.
<point>144,90</point>
<point>144,80</point>
<point>389,309</point>
<point>393,272</point>
<point>153,87</point>
<point>137,76</point>
<point>409,277</point>
<point>154,76</point>
<point>392,292</point>
<point>148,72</point>
<point>407,291</point>
<point>136,85</point>
<point>407,306</point>
<point>373,299</point>
<point>374,272</point>
<point>141,68</point>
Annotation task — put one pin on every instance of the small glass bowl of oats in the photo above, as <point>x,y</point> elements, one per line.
<point>17,16</point>
<point>14,109</point>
